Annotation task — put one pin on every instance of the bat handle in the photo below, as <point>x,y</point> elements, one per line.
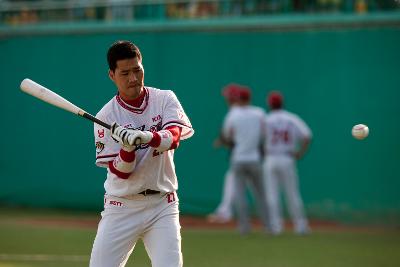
<point>94,119</point>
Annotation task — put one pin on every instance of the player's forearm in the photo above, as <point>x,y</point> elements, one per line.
<point>123,164</point>
<point>303,148</point>
<point>166,139</point>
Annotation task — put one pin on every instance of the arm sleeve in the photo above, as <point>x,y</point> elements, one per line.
<point>227,128</point>
<point>166,139</point>
<point>123,164</point>
<point>174,115</point>
<point>302,128</point>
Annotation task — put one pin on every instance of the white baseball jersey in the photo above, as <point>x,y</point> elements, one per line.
<point>154,170</point>
<point>244,125</point>
<point>284,130</point>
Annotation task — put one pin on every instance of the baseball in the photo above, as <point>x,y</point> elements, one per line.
<point>360,131</point>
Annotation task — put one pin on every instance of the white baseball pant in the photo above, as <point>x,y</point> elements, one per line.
<point>280,170</point>
<point>152,218</point>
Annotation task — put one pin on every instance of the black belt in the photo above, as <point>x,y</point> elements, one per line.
<point>149,192</point>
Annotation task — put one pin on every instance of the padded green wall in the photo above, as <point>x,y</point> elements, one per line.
<point>332,78</point>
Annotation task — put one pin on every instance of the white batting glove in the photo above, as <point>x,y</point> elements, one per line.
<point>137,137</point>
<point>122,135</point>
<point>129,137</point>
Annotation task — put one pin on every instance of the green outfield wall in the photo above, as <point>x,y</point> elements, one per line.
<point>332,75</point>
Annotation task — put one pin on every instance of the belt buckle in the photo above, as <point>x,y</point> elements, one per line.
<point>144,192</point>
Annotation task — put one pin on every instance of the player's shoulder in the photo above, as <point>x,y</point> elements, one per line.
<point>276,114</point>
<point>234,110</point>
<point>161,94</point>
<point>259,111</point>
<point>295,119</point>
<point>292,116</point>
<point>232,113</point>
<point>281,114</point>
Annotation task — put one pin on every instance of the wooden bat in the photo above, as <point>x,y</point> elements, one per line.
<point>46,95</point>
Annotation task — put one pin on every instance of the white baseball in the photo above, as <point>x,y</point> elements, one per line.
<point>360,131</point>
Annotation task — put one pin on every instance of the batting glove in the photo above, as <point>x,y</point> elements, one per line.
<point>129,137</point>
<point>123,136</point>
<point>140,137</point>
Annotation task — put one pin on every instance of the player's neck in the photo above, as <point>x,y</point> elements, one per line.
<point>136,102</point>
<point>243,104</point>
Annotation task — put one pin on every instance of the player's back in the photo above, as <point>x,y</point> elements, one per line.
<point>245,126</point>
<point>283,132</point>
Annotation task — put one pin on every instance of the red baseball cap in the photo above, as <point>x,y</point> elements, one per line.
<point>275,100</point>
<point>232,92</point>
<point>245,93</point>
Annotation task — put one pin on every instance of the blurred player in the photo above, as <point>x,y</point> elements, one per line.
<point>244,126</point>
<point>140,200</point>
<point>224,212</point>
<point>287,139</point>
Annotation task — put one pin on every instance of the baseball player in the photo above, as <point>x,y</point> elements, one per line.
<point>287,139</point>
<point>224,212</point>
<point>140,190</point>
<point>244,125</point>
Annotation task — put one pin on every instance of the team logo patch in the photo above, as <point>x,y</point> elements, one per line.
<point>156,128</point>
<point>100,133</point>
<point>156,118</point>
<point>99,147</point>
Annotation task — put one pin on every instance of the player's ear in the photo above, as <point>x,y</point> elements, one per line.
<point>111,74</point>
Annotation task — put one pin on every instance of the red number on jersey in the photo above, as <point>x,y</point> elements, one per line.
<point>280,136</point>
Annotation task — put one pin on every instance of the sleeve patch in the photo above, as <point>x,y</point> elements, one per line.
<point>100,133</point>
<point>99,147</point>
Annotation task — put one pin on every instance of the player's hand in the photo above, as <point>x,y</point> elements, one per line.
<point>217,143</point>
<point>122,135</point>
<point>297,155</point>
<point>129,137</point>
<point>139,137</point>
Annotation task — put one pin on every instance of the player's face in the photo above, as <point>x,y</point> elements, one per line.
<point>128,77</point>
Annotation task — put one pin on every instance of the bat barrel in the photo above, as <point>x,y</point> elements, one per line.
<point>46,95</point>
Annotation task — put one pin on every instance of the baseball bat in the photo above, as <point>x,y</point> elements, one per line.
<point>46,95</point>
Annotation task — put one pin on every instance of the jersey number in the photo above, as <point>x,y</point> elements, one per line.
<point>280,136</point>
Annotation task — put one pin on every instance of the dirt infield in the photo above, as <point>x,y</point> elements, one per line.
<point>187,222</point>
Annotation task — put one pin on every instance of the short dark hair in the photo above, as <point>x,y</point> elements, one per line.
<point>122,50</point>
